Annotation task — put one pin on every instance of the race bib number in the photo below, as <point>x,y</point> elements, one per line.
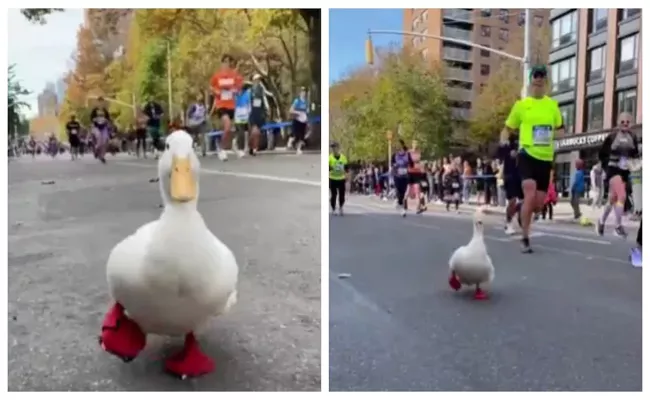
<point>301,117</point>
<point>241,114</point>
<point>338,167</point>
<point>226,95</point>
<point>424,184</point>
<point>455,185</point>
<point>74,131</point>
<point>542,135</point>
<point>622,163</point>
<point>402,171</point>
<point>257,102</point>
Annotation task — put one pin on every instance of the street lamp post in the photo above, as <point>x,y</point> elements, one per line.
<point>525,60</point>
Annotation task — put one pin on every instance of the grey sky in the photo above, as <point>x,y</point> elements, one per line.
<point>42,53</point>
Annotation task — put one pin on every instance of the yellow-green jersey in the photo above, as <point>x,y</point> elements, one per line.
<point>537,121</point>
<point>337,167</point>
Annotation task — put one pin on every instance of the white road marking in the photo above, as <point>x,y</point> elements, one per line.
<point>236,174</point>
<point>576,238</point>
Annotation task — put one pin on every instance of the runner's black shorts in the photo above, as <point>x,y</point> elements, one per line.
<point>416,178</point>
<point>538,170</point>
<point>299,130</point>
<point>611,172</point>
<point>226,111</point>
<point>512,187</point>
<point>74,141</point>
<point>257,118</point>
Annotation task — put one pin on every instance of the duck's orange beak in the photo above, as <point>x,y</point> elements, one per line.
<point>183,184</point>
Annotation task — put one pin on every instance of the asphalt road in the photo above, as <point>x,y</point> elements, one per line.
<point>566,318</point>
<point>266,209</point>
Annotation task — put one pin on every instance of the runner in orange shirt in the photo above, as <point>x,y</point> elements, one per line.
<point>226,83</point>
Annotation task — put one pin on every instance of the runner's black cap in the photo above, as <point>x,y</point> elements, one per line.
<point>334,144</point>
<point>538,70</point>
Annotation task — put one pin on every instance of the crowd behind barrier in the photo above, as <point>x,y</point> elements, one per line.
<point>490,191</point>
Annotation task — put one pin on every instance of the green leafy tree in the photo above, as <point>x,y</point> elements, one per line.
<point>402,95</point>
<point>15,91</point>
<point>37,15</point>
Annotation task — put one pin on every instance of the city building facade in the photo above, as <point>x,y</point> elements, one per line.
<point>466,68</point>
<point>595,74</point>
<point>48,104</point>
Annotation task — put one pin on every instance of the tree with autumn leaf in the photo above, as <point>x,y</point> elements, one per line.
<point>401,94</point>
<point>492,106</point>
<point>86,81</point>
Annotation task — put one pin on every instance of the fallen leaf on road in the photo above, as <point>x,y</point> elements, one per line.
<point>48,183</point>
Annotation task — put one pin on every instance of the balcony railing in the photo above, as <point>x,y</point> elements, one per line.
<point>458,73</point>
<point>460,113</point>
<point>457,15</point>
<point>456,33</point>
<point>456,54</point>
<point>459,94</point>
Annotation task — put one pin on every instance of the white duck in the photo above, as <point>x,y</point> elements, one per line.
<point>172,274</point>
<point>471,264</point>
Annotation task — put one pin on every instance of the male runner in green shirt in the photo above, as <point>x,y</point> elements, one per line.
<point>539,121</point>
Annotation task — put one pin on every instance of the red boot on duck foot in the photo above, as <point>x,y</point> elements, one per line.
<point>190,362</point>
<point>480,294</point>
<point>454,282</point>
<point>121,336</point>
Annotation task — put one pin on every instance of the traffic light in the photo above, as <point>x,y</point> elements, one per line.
<point>370,55</point>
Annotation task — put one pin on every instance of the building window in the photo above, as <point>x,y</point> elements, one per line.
<point>598,19</point>
<point>504,15</point>
<point>568,112</point>
<point>595,109</point>
<point>563,75</point>
<point>486,31</point>
<point>485,69</point>
<point>486,12</point>
<point>485,53</point>
<point>628,13</point>
<point>628,53</point>
<point>626,103</point>
<point>482,87</point>
<point>521,20</point>
<point>504,34</point>
<point>597,63</point>
<point>539,20</point>
<point>564,29</point>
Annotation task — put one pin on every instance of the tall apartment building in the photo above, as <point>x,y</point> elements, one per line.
<point>466,68</point>
<point>47,101</point>
<point>595,63</point>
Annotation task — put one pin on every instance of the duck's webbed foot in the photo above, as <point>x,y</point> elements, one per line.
<point>454,282</point>
<point>480,294</point>
<point>190,362</point>
<point>121,336</point>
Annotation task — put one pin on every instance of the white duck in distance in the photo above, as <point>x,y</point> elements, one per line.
<point>471,264</point>
<point>172,275</point>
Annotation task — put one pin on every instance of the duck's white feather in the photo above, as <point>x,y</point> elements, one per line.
<point>173,274</point>
<point>471,263</point>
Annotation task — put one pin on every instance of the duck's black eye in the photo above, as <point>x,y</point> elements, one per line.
<point>167,146</point>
